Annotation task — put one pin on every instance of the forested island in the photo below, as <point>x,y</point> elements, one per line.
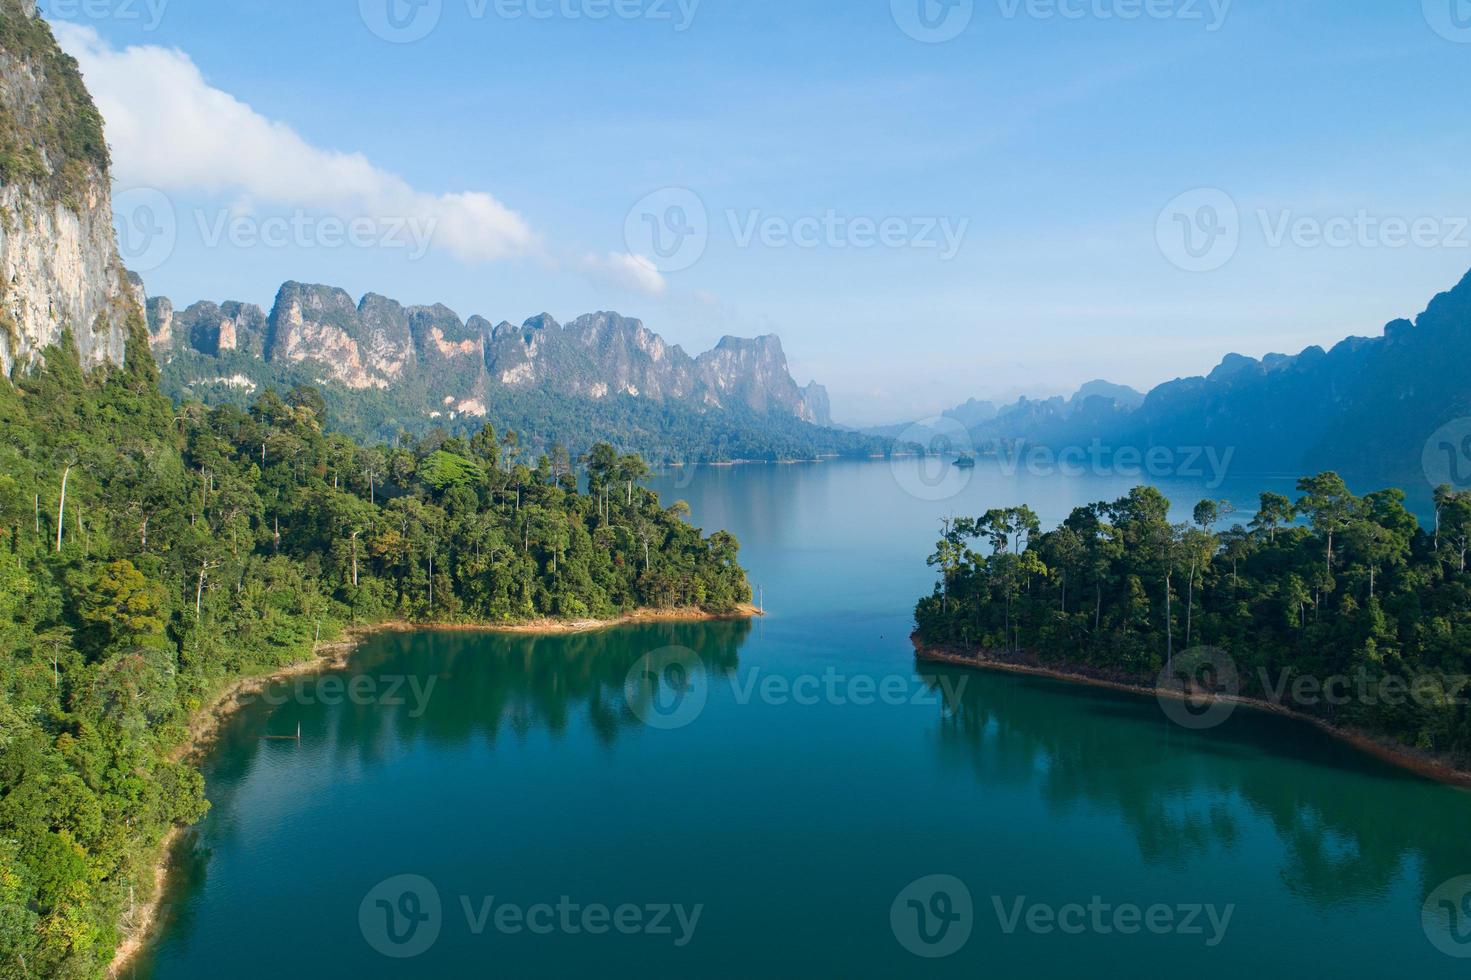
<point>151,554</point>
<point>1331,587</point>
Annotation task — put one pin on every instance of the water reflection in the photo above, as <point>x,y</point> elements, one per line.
<point>1342,841</point>
<point>450,687</point>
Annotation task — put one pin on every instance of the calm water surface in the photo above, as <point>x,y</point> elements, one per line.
<point>810,774</point>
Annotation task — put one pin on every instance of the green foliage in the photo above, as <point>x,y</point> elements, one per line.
<point>1332,585</point>
<point>64,129</point>
<point>200,545</point>
<point>444,471</point>
<point>668,432</point>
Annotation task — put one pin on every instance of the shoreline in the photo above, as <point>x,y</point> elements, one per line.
<point>205,727</point>
<point>1384,749</point>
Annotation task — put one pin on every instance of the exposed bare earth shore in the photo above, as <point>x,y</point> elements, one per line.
<point>1425,764</point>
<point>210,719</point>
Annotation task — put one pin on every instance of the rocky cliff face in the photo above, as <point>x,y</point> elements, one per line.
<point>208,328</point>
<point>59,266</point>
<point>755,373</point>
<point>594,356</point>
<point>818,407</point>
<point>454,367</point>
<point>356,345</point>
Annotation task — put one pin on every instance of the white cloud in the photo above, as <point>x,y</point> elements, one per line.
<point>628,271</point>
<point>171,130</point>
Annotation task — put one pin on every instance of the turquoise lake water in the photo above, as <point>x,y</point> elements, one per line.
<point>795,796</point>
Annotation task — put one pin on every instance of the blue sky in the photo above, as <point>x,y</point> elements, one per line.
<point>1054,139</point>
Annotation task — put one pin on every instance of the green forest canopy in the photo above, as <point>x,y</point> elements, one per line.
<point>149,555</point>
<point>1328,586</point>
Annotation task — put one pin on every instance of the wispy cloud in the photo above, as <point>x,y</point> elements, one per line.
<point>628,271</point>
<point>171,130</point>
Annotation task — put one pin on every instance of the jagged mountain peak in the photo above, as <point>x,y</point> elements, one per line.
<point>377,343</point>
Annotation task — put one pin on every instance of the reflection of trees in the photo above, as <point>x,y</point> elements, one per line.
<point>484,685</point>
<point>1348,824</point>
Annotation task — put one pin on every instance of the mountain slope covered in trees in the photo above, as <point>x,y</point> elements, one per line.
<point>150,554</point>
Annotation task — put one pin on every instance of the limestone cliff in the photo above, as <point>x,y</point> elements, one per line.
<point>447,367</point>
<point>60,272</point>
<point>755,374</point>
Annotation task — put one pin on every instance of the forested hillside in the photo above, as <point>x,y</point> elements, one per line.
<point>149,555</point>
<point>385,369</point>
<point>1328,586</point>
<point>664,433</point>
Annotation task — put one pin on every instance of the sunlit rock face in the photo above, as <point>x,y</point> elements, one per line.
<point>60,272</point>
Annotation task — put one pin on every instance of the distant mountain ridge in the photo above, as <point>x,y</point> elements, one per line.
<point>386,367</point>
<point>1025,414</point>
<point>377,343</point>
<point>1365,408</point>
